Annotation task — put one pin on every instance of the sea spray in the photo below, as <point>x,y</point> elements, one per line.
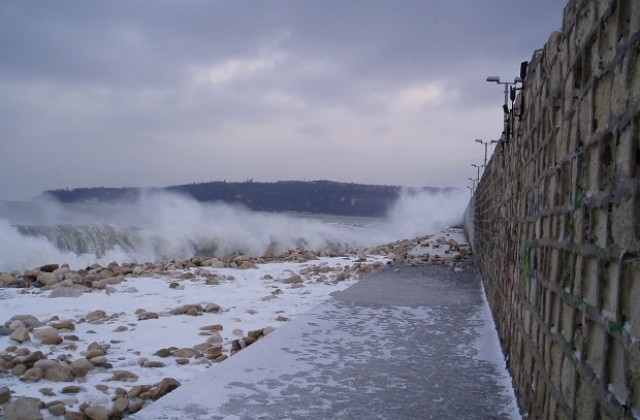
<point>418,213</point>
<point>170,226</point>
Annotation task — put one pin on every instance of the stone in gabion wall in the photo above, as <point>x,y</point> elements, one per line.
<point>557,220</point>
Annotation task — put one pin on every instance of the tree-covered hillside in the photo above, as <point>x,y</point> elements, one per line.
<point>325,197</point>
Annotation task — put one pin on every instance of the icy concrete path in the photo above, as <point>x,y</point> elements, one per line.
<point>406,343</point>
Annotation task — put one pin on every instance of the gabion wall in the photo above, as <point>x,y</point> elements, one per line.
<point>557,220</point>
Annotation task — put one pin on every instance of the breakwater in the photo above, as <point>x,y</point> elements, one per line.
<point>556,220</point>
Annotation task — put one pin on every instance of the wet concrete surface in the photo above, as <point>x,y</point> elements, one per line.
<point>409,342</point>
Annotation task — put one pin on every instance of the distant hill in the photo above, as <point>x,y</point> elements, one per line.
<point>323,197</point>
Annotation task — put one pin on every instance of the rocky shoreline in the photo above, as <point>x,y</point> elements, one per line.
<point>31,357</point>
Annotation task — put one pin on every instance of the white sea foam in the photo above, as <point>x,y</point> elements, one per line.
<point>163,225</point>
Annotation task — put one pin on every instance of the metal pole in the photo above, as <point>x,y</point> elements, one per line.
<point>485,153</point>
<point>506,104</point>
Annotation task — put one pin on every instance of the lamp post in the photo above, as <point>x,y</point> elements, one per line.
<point>478,167</point>
<point>470,190</point>
<point>507,85</point>
<point>486,143</point>
<point>473,182</point>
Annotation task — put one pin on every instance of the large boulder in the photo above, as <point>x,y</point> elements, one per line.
<point>81,367</point>
<point>48,335</point>
<point>29,359</point>
<point>164,387</point>
<point>65,324</point>
<point>49,268</point>
<point>21,335</point>
<point>5,394</point>
<point>292,279</point>
<point>23,408</point>
<point>55,371</point>
<point>96,412</point>
<point>7,279</point>
<point>48,279</point>
<point>33,375</point>
<point>28,321</point>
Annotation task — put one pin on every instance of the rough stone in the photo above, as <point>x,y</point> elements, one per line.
<point>66,324</point>
<point>21,335</point>
<point>102,388</point>
<point>33,375</point>
<point>7,279</point>
<point>214,352</point>
<point>23,408</point>
<point>216,327</point>
<point>153,364</point>
<point>135,404</point>
<point>5,394</point>
<point>71,389</point>
<point>212,307</point>
<point>96,315</point>
<point>189,309</point>
<point>184,352</point>
<point>94,352</point>
<point>49,268</point>
<point>123,376</point>
<point>48,279</point>
<point>80,367</point>
<point>292,279</point>
<point>47,335</point>
<point>59,373</point>
<point>145,315</point>
<point>98,360</point>
<point>163,353</point>
<point>57,409</point>
<point>166,385</point>
<point>120,405</point>
<point>47,392</point>
<point>97,412</point>
<point>19,369</point>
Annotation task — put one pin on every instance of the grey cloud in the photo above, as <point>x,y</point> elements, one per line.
<point>315,131</point>
<point>85,77</point>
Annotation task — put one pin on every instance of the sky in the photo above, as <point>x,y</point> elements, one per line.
<point>156,93</point>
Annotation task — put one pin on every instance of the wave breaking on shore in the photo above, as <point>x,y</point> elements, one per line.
<point>163,226</point>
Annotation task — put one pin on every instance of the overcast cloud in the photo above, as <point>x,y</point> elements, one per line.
<point>156,93</point>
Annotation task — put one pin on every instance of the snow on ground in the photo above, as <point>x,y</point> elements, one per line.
<point>249,299</point>
<point>441,244</point>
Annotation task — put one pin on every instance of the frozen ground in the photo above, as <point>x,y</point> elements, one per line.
<point>413,340</point>
<point>143,336</point>
<point>249,299</point>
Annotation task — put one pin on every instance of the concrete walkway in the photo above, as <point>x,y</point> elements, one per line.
<point>405,343</point>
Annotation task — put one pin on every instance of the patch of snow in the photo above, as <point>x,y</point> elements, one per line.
<point>250,299</point>
<point>489,349</point>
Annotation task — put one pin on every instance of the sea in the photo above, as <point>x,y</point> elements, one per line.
<point>164,226</point>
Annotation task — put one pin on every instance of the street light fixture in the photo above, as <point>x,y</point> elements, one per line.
<point>477,166</point>
<point>507,85</point>
<point>486,143</point>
